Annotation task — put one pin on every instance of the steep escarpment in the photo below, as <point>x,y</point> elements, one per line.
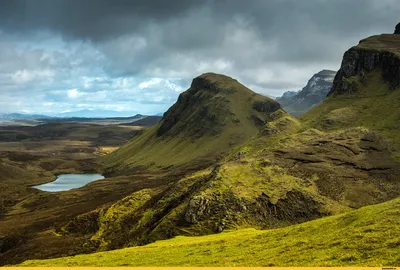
<point>377,52</point>
<point>213,115</point>
<point>312,94</point>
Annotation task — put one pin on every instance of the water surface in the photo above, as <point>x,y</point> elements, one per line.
<point>69,181</point>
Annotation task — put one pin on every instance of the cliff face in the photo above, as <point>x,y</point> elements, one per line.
<point>377,52</point>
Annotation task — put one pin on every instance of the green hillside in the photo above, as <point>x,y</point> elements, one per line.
<point>213,115</point>
<point>364,237</point>
<point>366,93</point>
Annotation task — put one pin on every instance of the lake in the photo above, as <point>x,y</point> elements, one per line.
<point>69,181</point>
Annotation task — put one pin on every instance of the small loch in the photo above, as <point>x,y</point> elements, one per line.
<point>69,181</point>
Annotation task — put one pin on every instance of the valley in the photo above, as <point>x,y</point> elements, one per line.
<point>36,155</point>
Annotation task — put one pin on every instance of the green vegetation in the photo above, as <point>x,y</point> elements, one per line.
<point>373,106</point>
<point>364,237</point>
<point>381,43</point>
<point>213,115</point>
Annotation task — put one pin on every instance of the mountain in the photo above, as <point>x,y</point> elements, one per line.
<point>15,116</point>
<point>287,94</point>
<point>96,114</point>
<point>94,120</point>
<point>312,94</point>
<point>212,116</point>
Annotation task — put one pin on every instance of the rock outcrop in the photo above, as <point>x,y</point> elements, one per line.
<point>376,52</point>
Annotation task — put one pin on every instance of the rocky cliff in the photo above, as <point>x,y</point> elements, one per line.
<point>379,52</point>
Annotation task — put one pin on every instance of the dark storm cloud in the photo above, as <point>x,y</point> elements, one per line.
<point>302,30</point>
<point>102,19</point>
<point>92,19</point>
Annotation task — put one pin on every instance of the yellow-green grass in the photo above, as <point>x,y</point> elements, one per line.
<point>368,236</point>
<point>373,106</point>
<point>383,42</point>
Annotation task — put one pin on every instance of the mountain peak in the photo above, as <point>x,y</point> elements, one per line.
<point>217,83</point>
<point>213,115</point>
<point>327,72</point>
<point>209,103</point>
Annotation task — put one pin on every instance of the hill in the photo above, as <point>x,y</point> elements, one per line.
<point>364,237</point>
<point>312,94</point>
<point>213,115</point>
<point>365,91</point>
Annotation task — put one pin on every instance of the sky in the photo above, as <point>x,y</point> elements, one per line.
<point>136,56</point>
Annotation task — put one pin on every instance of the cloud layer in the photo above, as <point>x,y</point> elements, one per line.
<point>137,55</point>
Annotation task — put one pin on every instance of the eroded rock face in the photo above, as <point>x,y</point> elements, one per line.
<point>294,208</point>
<point>358,61</point>
<point>198,207</point>
<point>264,106</point>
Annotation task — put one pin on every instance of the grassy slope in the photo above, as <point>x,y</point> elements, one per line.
<point>373,106</point>
<point>232,112</point>
<point>383,42</point>
<point>364,237</point>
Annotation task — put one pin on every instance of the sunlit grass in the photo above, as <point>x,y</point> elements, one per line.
<point>368,236</point>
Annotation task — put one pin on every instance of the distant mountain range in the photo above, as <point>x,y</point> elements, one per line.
<point>15,116</point>
<point>297,103</point>
<point>97,114</point>
<point>37,119</point>
<point>81,114</point>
